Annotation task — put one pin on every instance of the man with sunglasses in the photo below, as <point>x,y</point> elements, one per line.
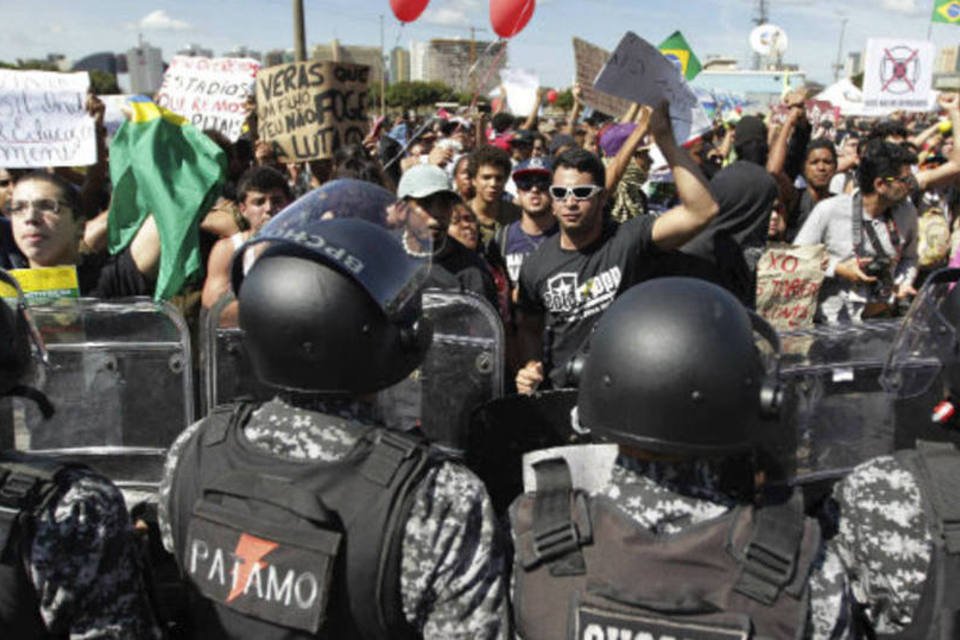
<point>574,276</point>
<point>871,238</point>
<point>521,238</point>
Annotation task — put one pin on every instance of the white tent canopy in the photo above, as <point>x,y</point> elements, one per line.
<point>844,94</point>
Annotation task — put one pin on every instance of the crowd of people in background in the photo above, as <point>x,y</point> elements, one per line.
<point>549,219</point>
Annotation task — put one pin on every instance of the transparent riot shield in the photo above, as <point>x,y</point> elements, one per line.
<point>463,370</point>
<point>225,372</point>
<point>120,378</point>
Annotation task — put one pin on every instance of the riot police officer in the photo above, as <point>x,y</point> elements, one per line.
<point>69,565</point>
<point>670,544</point>
<point>302,516</point>
<point>897,530</point>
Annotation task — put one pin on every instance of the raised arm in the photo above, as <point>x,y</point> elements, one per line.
<point>697,206</point>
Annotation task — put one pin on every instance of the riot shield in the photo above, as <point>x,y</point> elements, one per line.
<point>120,378</point>
<point>463,368</point>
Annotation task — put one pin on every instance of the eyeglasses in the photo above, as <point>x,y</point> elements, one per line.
<point>907,181</point>
<point>528,183</point>
<point>42,205</point>
<point>580,192</point>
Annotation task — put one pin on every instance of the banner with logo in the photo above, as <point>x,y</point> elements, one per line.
<point>209,92</point>
<point>42,285</point>
<point>898,76</point>
<point>44,120</point>
<point>308,110</point>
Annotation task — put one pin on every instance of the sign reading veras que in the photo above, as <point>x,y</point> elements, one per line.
<point>310,109</point>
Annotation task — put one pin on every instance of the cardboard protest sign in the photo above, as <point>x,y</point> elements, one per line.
<point>43,120</point>
<point>590,59</point>
<point>209,92</point>
<point>638,72</point>
<point>310,109</point>
<point>521,87</point>
<point>898,76</point>
<point>788,283</point>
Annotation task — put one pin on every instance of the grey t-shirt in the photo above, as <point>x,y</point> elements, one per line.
<point>831,223</point>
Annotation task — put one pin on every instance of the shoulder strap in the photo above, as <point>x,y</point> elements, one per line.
<point>25,485</point>
<point>556,537</point>
<point>769,562</point>
<point>222,418</point>
<point>939,466</point>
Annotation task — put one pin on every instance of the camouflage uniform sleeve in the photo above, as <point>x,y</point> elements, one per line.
<point>883,541</point>
<point>84,564</point>
<point>831,603</point>
<point>453,577</point>
<point>166,483</point>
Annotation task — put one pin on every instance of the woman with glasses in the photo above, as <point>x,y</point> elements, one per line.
<point>47,223</point>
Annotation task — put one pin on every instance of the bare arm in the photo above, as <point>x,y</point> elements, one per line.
<point>950,170</point>
<point>575,110</point>
<point>96,175</point>
<point>217,281</point>
<point>530,348</point>
<point>697,206</point>
<point>145,248</point>
<point>778,150</point>
<point>624,157</point>
<point>95,233</point>
<point>925,135</point>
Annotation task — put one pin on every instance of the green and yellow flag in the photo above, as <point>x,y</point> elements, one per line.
<point>162,164</point>
<point>946,11</point>
<point>677,51</point>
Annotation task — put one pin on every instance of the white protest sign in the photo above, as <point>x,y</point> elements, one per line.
<point>209,92</point>
<point>43,120</point>
<point>113,115</point>
<point>521,87</point>
<point>638,72</point>
<point>898,76</point>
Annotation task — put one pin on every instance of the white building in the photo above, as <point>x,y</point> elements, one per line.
<point>145,68</point>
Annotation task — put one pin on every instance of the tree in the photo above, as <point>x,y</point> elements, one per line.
<point>103,83</point>
<point>409,95</point>
<point>564,99</point>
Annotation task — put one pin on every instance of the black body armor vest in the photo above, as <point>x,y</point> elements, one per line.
<point>280,548</point>
<point>584,569</point>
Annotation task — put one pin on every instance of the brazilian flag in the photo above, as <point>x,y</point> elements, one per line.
<point>946,11</point>
<point>677,51</point>
<point>162,164</point>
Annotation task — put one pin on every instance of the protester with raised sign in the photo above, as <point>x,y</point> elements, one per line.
<point>574,276</point>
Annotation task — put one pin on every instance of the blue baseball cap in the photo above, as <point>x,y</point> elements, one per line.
<point>533,166</point>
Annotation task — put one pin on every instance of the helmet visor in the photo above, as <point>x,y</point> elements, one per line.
<point>925,337</point>
<point>359,229</point>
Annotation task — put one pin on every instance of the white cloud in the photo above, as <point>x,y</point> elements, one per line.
<point>159,20</point>
<point>452,14</point>
<point>901,6</point>
<point>56,28</point>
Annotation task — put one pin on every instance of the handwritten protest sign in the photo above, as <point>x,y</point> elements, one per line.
<point>788,283</point>
<point>898,76</point>
<point>638,72</point>
<point>310,109</point>
<point>209,92</point>
<point>43,122</point>
<point>521,87</point>
<point>590,60</point>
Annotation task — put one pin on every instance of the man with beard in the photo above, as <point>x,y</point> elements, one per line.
<point>574,276</point>
<point>521,238</point>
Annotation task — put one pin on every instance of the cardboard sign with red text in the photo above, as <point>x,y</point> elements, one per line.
<point>788,283</point>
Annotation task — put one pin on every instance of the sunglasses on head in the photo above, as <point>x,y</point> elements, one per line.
<point>526,183</point>
<point>580,192</point>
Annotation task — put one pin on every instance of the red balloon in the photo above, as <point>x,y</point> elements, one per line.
<point>552,96</point>
<point>509,17</point>
<point>408,10</point>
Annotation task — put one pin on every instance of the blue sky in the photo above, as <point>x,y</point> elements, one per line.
<point>711,26</point>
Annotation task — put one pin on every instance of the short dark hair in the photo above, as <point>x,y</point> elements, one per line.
<point>501,122</point>
<point>262,179</point>
<point>69,192</point>
<point>583,161</point>
<point>882,130</point>
<point>489,155</point>
<point>821,143</point>
<point>881,159</point>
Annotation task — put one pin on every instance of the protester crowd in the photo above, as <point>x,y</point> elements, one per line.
<point>550,221</point>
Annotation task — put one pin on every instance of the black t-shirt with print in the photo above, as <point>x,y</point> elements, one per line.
<point>572,287</point>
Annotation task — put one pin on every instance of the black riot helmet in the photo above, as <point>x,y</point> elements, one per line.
<point>20,343</point>
<point>332,304</point>
<point>674,368</point>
